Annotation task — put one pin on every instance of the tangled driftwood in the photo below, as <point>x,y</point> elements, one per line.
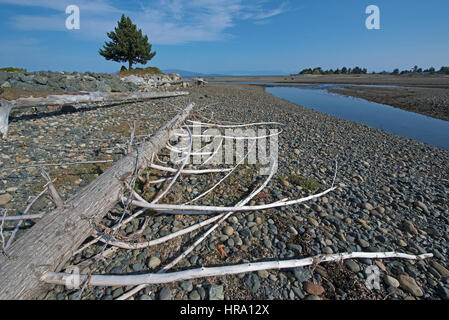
<point>54,238</point>
<point>36,258</point>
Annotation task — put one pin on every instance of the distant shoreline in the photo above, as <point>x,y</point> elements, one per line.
<point>427,81</point>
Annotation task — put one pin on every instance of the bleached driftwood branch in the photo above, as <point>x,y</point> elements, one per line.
<point>82,98</point>
<point>5,109</point>
<point>188,171</point>
<point>13,234</point>
<point>52,189</point>
<point>42,165</point>
<point>156,278</point>
<point>191,209</point>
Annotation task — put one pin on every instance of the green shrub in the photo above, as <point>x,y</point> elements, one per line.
<point>141,71</point>
<point>307,184</point>
<point>11,69</point>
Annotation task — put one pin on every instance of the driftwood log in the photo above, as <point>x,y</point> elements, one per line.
<point>50,243</point>
<point>82,98</point>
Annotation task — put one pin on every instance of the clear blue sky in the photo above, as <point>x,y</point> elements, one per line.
<point>230,36</point>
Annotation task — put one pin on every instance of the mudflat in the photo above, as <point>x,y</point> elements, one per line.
<point>428,101</point>
<point>430,81</point>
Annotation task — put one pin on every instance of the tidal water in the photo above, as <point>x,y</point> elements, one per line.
<point>394,120</point>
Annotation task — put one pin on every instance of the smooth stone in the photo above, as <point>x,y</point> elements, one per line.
<point>421,205</point>
<point>352,265</point>
<point>327,250</point>
<point>441,270</point>
<point>194,295</point>
<point>313,222</point>
<point>313,288</point>
<point>137,267</point>
<point>301,274</point>
<point>409,284</point>
<point>187,286</point>
<point>228,230</point>
<point>154,262</point>
<point>263,274</point>
<point>410,228</point>
<point>117,292</point>
<point>390,281</point>
<point>165,294</point>
<point>267,243</point>
<point>253,282</point>
<point>216,292</point>
<point>363,243</point>
<point>5,198</point>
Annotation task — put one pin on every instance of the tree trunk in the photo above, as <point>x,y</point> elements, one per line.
<point>50,243</point>
<point>130,64</point>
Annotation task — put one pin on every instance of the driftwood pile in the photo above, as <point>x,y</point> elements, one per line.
<point>36,258</point>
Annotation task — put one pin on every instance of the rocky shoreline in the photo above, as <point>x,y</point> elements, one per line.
<point>392,195</point>
<point>89,81</point>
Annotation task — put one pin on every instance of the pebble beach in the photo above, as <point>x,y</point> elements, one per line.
<point>392,195</point>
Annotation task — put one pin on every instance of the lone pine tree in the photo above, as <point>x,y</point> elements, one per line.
<point>128,44</point>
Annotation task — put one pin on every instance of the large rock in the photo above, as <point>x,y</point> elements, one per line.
<point>154,262</point>
<point>409,284</point>
<point>390,281</point>
<point>4,76</point>
<point>313,288</point>
<point>165,294</point>
<point>409,227</point>
<point>438,267</point>
<point>216,292</point>
<point>253,282</point>
<point>41,80</point>
<point>228,230</point>
<point>5,198</point>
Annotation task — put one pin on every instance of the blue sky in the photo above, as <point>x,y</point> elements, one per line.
<point>230,36</point>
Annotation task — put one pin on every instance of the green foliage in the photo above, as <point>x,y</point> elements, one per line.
<point>140,71</point>
<point>12,69</point>
<point>307,184</point>
<point>128,44</point>
<point>444,70</point>
<point>358,70</point>
<point>123,68</point>
<point>344,70</point>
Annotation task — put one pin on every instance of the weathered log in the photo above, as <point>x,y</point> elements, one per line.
<point>92,97</point>
<point>68,99</point>
<point>49,244</point>
<point>5,108</point>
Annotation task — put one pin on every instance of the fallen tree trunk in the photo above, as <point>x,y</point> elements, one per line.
<point>50,243</point>
<point>68,99</point>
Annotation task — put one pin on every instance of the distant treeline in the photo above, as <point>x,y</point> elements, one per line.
<point>358,70</point>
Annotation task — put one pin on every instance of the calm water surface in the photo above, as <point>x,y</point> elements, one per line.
<point>403,123</point>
